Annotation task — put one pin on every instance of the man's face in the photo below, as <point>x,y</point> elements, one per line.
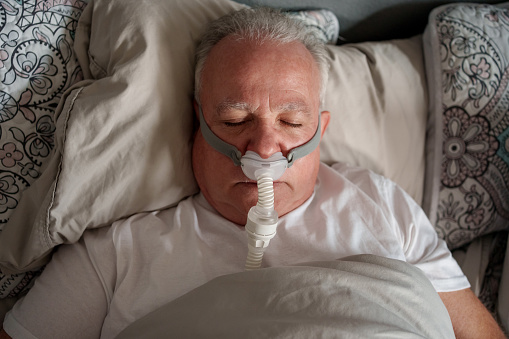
<point>261,98</point>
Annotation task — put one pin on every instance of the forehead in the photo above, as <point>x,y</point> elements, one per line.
<point>236,69</point>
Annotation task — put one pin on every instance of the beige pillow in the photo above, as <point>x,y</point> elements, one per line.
<point>377,97</point>
<point>123,142</point>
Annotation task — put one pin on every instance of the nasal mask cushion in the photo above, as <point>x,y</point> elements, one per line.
<point>250,158</point>
<point>254,165</point>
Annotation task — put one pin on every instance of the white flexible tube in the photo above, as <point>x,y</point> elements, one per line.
<point>262,221</point>
<point>265,192</point>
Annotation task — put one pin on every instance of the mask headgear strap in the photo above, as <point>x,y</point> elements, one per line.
<point>233,153</point>
<point>308,147</point>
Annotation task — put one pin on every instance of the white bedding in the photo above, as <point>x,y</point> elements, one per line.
<point>363,296</point>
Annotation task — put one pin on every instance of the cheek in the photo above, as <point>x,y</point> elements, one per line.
<point>305,172</point>
<point>211,168</point>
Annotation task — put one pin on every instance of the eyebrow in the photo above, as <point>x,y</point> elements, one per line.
<point>229,105</point>
<point>291,106</point>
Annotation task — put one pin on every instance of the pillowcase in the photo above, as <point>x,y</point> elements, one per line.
<point>377,97</point>
<point>468,151</point>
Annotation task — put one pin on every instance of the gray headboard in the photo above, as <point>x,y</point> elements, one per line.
<point>362,20</point>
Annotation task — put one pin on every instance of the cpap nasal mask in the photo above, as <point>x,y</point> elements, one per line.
<point>262,219</point>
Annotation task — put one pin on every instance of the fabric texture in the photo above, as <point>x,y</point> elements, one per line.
<point>112,261</point>
<point>356,297</point>
<point>468,145</point>
<point>378,100</point>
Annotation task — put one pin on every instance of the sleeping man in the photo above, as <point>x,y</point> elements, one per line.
<point>259,83</point>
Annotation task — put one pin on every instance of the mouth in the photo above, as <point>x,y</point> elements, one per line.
<point>254,183</point>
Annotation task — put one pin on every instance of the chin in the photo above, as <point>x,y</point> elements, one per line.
<point>285,203</point>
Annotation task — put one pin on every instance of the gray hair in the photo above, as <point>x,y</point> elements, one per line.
<point>261,24</point>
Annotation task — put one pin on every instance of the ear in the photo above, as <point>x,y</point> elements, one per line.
<point>325,118</point>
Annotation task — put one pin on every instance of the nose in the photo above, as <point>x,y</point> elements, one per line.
<point>264,140</point>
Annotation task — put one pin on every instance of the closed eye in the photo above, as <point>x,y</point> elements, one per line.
<point>234,124</point>
<point>240,123</point>
<point>290,124</point>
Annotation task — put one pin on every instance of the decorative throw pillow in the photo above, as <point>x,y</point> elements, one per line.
<point>467,60</point>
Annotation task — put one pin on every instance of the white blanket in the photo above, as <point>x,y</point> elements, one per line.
<point>363,296</point>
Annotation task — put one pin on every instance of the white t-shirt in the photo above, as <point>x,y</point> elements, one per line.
<point>118,274</point>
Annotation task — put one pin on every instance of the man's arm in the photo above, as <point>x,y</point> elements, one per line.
<point>470,319</point>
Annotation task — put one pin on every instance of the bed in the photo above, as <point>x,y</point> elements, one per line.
<point>88,118</point>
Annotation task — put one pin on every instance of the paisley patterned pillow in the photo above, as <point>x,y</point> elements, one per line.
<point>467,58</point>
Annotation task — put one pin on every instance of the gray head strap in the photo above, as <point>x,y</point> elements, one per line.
<point>233,153</point>
<point>307,148</point>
